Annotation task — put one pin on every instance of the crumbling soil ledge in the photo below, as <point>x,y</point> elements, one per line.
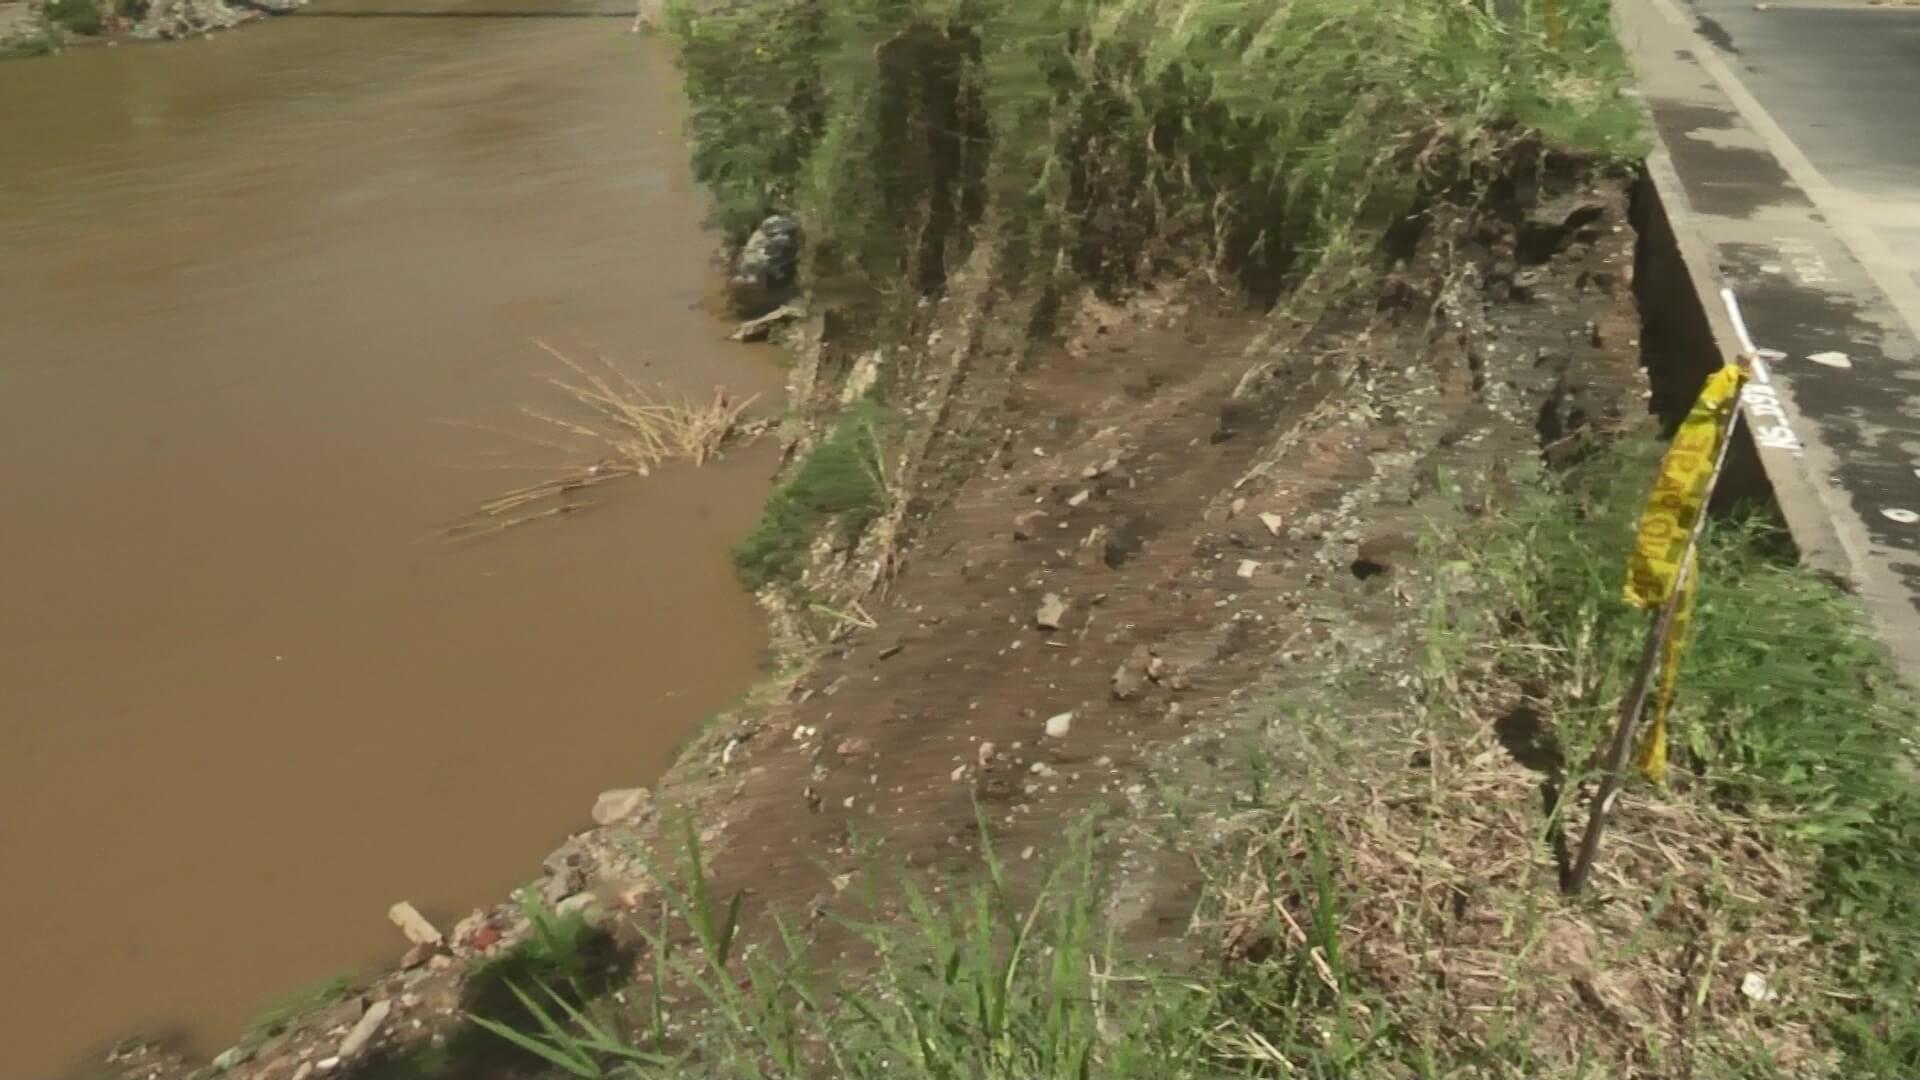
<point>1097,546</point>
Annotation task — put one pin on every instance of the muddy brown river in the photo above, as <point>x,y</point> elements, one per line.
<point>267,304</point>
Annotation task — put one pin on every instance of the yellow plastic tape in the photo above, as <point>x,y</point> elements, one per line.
<point>1679,493</point>
<point>1653,749</point>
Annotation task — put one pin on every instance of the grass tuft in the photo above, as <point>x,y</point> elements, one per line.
<point>283,1013</point>
<point>840,484</point>
<point>1788,717</point>
<point>75,16</point>
<point>1111,133</point>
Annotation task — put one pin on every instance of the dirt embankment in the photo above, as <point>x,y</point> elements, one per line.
<point>1099,542</point>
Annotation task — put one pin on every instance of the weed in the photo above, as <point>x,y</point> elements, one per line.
<point>1788,716</point>
<point>75,16</point>
<point>841,482</point>
<point>282,1013</point>
<point>1109,132</point>
<point>558,948</point>
<point>32,45</point>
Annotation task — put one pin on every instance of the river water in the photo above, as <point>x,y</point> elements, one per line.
<point>267,304</point>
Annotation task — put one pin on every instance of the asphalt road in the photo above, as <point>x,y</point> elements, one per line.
<point>1792,167</point>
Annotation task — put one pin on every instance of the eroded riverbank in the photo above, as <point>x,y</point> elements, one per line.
<point>268,302</point>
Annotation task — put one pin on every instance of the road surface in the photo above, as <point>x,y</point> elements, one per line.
<point>1789,167</point>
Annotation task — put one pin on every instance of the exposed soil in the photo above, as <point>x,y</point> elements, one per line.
<point>1226,504</point>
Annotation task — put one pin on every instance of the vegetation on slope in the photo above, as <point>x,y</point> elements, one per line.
<point>1116,132</point>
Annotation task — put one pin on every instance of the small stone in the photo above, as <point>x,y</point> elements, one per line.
<point>565,882</point>
<point>959,773</point>
<point>484,938</point>
<point>1247,569</point>
<point>327,1064</point>
<point>1237,507</point>
<point>1128,681</point>
<point>1059,726</point>
<point>1052,611</point>
<point>1080,498</point>
<point>985,756</point>
<point>621,805</point>
<point>364,1031</point>
<point>1156,668</point>
<point>420,953</point>
<point>1027,524</point>
<point>1754,986</point>
<point>854,747</point>
<point>231,1056</point>
<point>304,1071</point>
<point>583,904</point>
<point>1273,522</point>
<point>413,924</point>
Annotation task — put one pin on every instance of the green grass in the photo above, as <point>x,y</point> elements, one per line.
<point>1787,712</point>
<point>282,1013</point>
<point>839,484</point>
<point>1269,135</point>
<point>34,45</point>
<point>557,949</point>
<point>1787,727</point>
<point>75,16</point>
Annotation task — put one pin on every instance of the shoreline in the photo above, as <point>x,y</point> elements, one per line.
<point>1149,566</point>
<point>27,30</point>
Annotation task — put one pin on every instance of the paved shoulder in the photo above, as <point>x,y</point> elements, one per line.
<point>1791,168</point>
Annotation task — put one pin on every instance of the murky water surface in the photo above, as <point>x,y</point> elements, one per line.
<point>266,310</point>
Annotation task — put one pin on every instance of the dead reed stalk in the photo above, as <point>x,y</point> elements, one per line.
<point>634,429</point>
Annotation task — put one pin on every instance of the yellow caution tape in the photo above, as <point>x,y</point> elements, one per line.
<point>1653,750</point>
<point>1666,526</point>
<point>1679,493</point>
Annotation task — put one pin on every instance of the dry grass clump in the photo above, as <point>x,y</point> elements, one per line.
<point>635,430</point>
<point>1423,896</point>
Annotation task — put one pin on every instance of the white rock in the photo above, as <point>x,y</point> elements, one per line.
<point>1272,521</point>
<point>1832,359</point>
<point>1080,498</point>
<point>304,1071</point>
<point>1247,569</point>
<point>1052,611</point>
<point>621,804</point>
<point>414,925</point>
<point>1059,726</point>
<point>364,1031</point>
